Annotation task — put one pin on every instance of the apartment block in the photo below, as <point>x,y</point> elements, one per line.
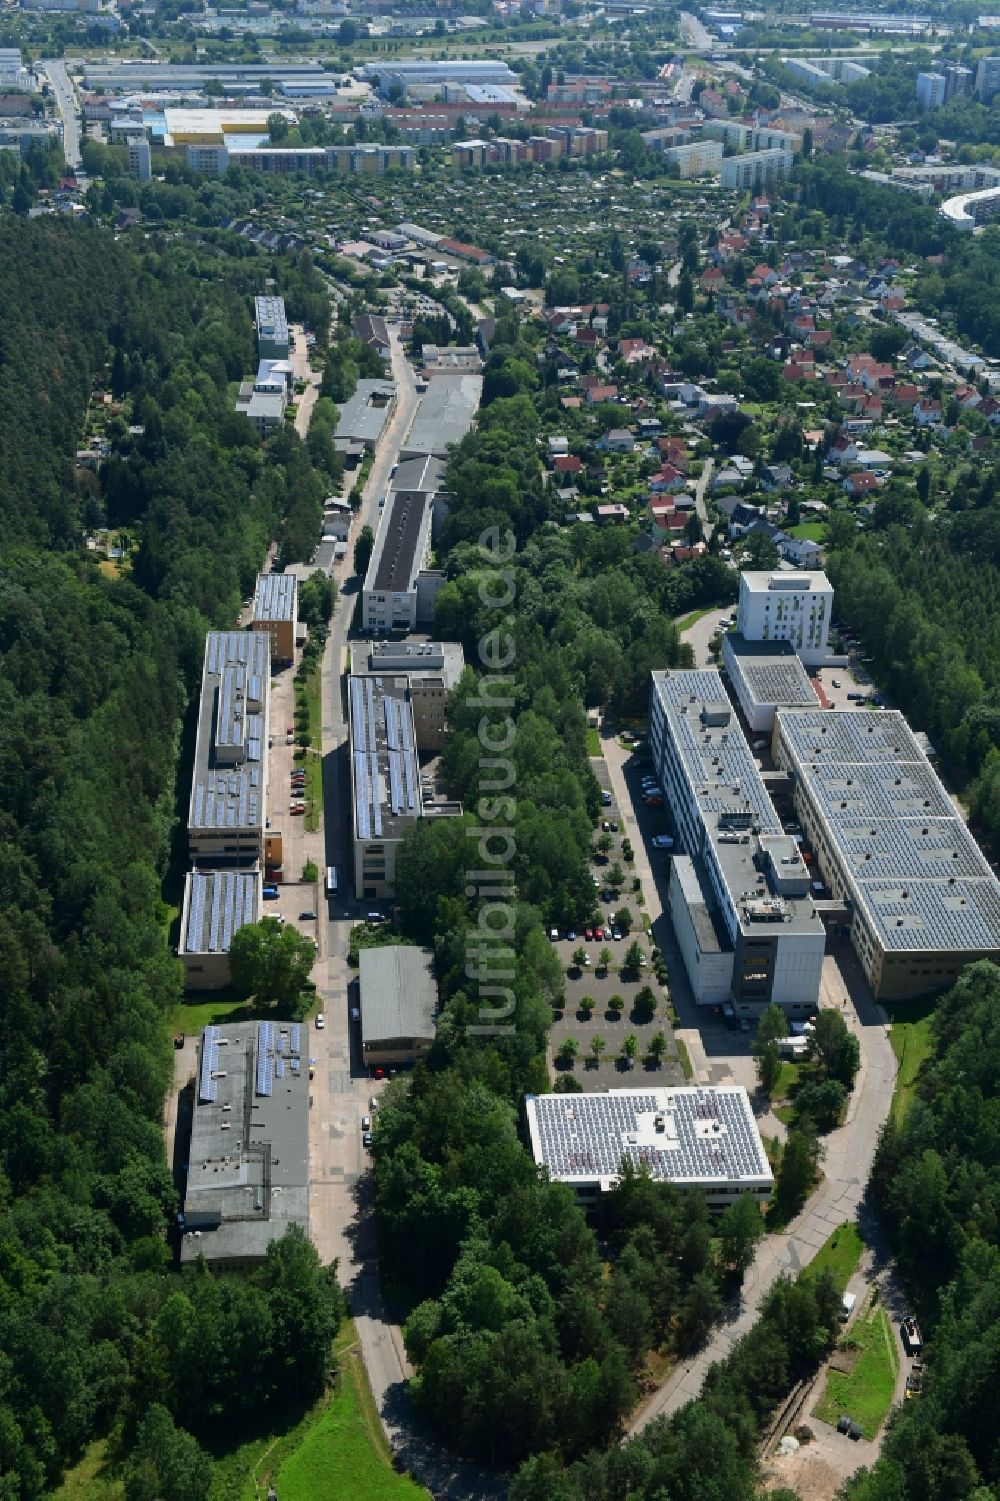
<point>698,159</point>
<point>273,341</point>
<point>758,169</point>
<point>931,89</point>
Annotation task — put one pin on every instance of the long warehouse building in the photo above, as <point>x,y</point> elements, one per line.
<point>891,845</point>
<point>227,823</point>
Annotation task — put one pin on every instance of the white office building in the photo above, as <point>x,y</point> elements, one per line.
<point>793,607</point>
<point>739,892</point>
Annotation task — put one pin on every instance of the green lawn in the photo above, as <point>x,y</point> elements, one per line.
<point>689,620</point>
<point>593,741</point>
<point>866,1392</point>
<point>910,1035</point>
<point>788,1077</point>
<point>839,1255</point>
<point>343,1455</point>
<point>811,531</point>
<point>87,1481</point>
<point>192,1016</point>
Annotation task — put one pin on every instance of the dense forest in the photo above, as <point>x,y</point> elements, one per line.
<point>99,663</point>
<point>926,600</point>
<point>935,1179</point>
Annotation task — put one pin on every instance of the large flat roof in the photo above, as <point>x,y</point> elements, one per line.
<point>918,876</point>
<point>275,596</point>
<point>417,658</point>
<point>386,772</point>
<point>737,815</point>
<point>401,542</point>
<point>691,1137</point>
<point>269,313</point>
<point>398,993</point>
<point>771,671</point>
<point>366,413</point>
<point>763,580</point>
<point>445,414</point>
<point>217,904</point>
<point>249,1153</point>
<point>227,789</point>
<point>424,473</point>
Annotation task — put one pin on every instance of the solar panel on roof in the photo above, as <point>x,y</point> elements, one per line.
<point>395,784</point>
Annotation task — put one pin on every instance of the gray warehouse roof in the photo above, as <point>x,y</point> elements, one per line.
<point>249,1154</point>
<point>770,670</point>
<point>684,1136</point>
<point>423,473</point>
<point>445,414</point>
<point>269,313</point>
<point>219,903</point>
<point>386,772</point>
<point>398,993</point>
<point>363,417</point>
<point>275,595</point>
<point>918,875</point>
<point>401,543</point>
<point>227,790</point>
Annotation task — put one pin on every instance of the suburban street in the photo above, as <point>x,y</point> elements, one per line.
<point>65,97</point>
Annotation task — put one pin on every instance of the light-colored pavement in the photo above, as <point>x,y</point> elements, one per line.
<point>700,489</point>
<point>701,634</point>
<point>65,97</point>
<point>340,1193</point>
<point>693,34</point>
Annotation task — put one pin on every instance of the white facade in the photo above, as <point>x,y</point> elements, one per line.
<point>930,90</point>
<point>696,160</point>
<point>793,607</point>
<point>757,169</point>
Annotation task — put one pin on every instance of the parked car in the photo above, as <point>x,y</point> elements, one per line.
<point>366,1123</point>
<point>616,933</point>
<point>320,1021</point>
<point>662,842</point>
<point>307,917</point>
<point>366,1139</point>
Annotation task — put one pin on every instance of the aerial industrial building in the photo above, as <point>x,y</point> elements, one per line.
<point>739,894</point>
<point>402,79</point>
<point>385,777</point>
<point>891,845</point>
<point>765,675</point>
<point>276,611</point>
<point>399,589</point>
<point>273,342</point>
<point>364,415</point>
<point>226,818</point>
<point>248,1172</point>
<point>703,1141</point>
<point>444,415</point>
<point>432,669</point>
<point>217,903</point>
<point>398,1004</point>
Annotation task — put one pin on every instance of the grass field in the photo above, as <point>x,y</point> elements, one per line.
<point>86,1481</point>
<point>839,1255</point>
<point>689,620</point>
<point>910,1035</point>
<point>866,1391</point>
<point>344,1455</point>
<point>808,531</point>
<point>593,741</point>
<point>192,1016</point>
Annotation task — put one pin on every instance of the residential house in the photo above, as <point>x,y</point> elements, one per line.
<point>927,413</point>
<point>617,440</point>
<point>613,514</point>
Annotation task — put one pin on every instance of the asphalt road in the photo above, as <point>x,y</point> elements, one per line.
<point>65,97</point>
